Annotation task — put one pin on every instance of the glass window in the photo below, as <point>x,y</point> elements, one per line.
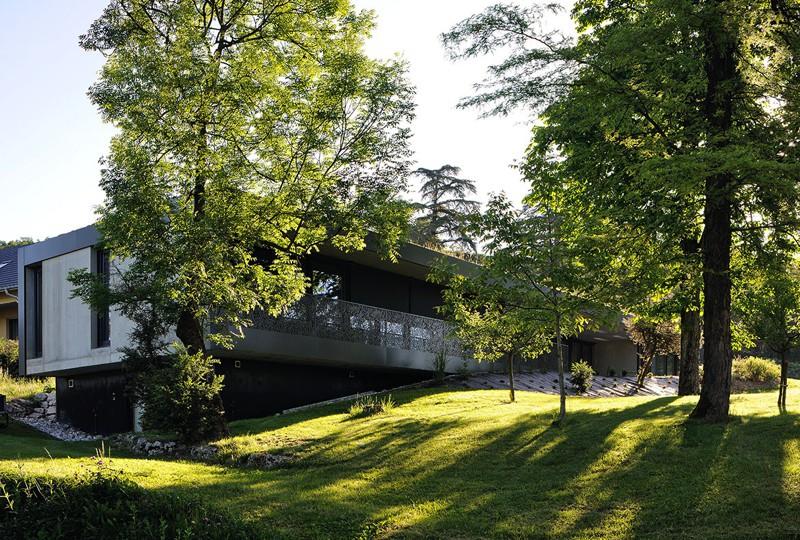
<point>13,329</point>
<point>102,322</point>
<point>33,308</point>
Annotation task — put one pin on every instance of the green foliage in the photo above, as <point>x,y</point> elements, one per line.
<point>439,366</point>
<point>99,505</point>
<point>767,302</point>
<point>534,272</point>
<point>547,273</point>
<point>24,387</point>
<point>24,241</point>
<point>9,357</point>
<point>181,395</point>
<point>371,405</point>
<point>754,369</point>
<point>249,134</point>
<point>581,376</point>
<point>266,129</point>
<point>444,213</point>
<point>654,337</point>
<point>676,121</point>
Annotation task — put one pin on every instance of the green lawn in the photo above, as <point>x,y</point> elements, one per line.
<point>467,464</point>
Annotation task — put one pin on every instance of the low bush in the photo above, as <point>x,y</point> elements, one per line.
<point>9,357</point>
<point>371,405</point>
<point>753,372</point>
<point>100,505</point>
<point>181,395</point>
<point>581,376</point>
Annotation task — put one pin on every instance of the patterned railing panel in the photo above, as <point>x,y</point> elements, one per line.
<point>358,323</point>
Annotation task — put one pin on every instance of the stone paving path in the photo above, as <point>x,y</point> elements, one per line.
<point>547,383</point>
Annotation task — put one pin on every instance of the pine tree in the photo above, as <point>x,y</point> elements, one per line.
<point>445,209</point>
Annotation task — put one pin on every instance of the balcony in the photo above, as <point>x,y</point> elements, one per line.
<point>360,324</point>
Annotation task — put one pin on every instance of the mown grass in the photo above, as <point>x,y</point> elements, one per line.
<point>468,464</point>
<point>13,387</point>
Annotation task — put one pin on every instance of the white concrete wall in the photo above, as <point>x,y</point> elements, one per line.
<point>617,355</point>
<point>67,322</point>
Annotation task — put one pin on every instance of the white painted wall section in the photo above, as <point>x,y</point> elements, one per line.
<point>67,322</point>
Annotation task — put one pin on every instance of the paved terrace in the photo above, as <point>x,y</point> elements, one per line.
<point>547,383</point>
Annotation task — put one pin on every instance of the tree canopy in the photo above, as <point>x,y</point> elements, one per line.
<point>445,209</point>
<point>546,274</point>
<point>679,119</point>
<point>251,132</point>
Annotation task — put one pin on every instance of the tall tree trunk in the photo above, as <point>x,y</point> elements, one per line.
<point>190,331</point>
<point>689,368</point>
<point>784,382</point>
<point>511,376</point>
<point>189,328</point>
<point>562,391</point>
<point>721,72</point>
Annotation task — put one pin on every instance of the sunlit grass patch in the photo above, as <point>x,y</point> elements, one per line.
<point>469,464</point>
<point>24,387</point>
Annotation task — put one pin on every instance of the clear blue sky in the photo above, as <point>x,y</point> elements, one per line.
<point>52,138</point>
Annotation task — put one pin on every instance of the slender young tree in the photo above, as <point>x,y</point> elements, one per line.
<point>245,127</point>
<point>654,337</point>
<point>679,118</point>
<point>445,209</point>
<point>537,283</point>
<point>768,308</point>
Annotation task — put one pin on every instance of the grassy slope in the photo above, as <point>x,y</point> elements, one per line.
<point>467,464</point>
<point>13,388</point>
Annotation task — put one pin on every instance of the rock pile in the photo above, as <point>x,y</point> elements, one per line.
<point>39,412</point>
<point>202,452</point>
<point>141,445</point>
<point>41,406</point>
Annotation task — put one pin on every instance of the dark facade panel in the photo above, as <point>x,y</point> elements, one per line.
<point>98,403</point>
<point>379,289</point>
<point>95,403</point>
<point>257,388</point>
<point>425,298</point>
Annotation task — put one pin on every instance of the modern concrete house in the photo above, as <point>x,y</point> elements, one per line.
<point>8,293</point>
<point>366,324</point>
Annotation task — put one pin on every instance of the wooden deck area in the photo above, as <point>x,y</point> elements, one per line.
<point>547,383</point>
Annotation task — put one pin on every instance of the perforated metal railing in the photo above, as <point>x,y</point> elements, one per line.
<point>358,323</point>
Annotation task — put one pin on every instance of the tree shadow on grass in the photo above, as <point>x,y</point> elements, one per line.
<point>432,479</point>
<point>639,470</point>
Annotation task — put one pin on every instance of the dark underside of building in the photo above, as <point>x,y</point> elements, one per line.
<point>97,403</point>
<point>259,386</point>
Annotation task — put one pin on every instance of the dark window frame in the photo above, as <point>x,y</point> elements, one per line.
<point>101,319</point>
<point>33,304</point>
<point>12,329</point>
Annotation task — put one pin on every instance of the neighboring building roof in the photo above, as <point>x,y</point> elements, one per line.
<point>8,268</point>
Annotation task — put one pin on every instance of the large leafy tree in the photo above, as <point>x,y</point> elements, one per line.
<point>250,132</point>
<point>445,209</point>
<point>678,118</point>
